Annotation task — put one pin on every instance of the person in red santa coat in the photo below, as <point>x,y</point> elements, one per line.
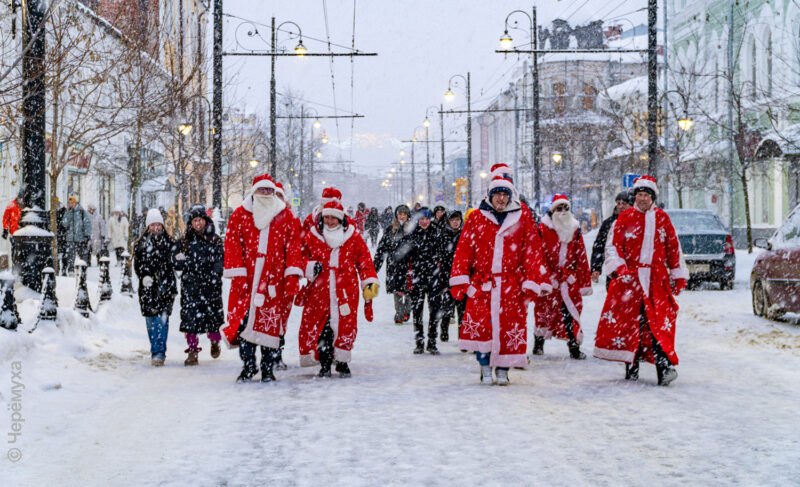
<point>639,315</point>
<point>287,298</point>
<point>558,314</point>
<point>498,266</point>
<point>262,256</point>
<point>338,265</point>
<point>312,219</point>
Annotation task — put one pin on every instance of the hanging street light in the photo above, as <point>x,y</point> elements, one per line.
<point>300,49</point>
<point>685,123</point>
<point>506,42</point>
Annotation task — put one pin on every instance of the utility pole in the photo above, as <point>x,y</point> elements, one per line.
<point>666,99</point>
<point>730,112</point>
<point>273,127</point>
<point>428,163</point>
<point>216,161</point>
<point>469,141</point>
<point>537,155</point>
<point>413,174</point>
<point>441,126</point>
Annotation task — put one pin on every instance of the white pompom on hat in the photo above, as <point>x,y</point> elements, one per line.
<point>153,216</point>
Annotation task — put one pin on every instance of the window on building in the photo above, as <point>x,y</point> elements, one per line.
<point>74,181</point>
<point>105,195</point>
<point>559,97</point>
<point>753,67</point>
<point>769,63</point>
<point>589,96</point>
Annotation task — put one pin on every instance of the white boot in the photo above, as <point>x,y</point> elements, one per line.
<point>502,376</point>
<point>486,375</point>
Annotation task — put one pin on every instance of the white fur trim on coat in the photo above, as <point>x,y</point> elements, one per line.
<point>234,272</point>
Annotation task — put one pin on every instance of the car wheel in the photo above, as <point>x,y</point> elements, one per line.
<point>760,304</point>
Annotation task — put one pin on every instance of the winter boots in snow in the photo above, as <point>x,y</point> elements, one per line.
<point>431,348</point>
<point>325,351</point>
<point>502,376</point>
<point>575,351</point>
<point>267,375</point>
<point>486,375</point>
<point>215,350</point>
<point>445,325</point>
<point>538,345</point>
<point>191,358</point>
<point>420,348</point>
<point>667,375</point>
<point>279,363</point>
<point>632,371</point>
<point>343,370</point>
<point>157,362</point>
<point>246,375</point>
<point>664,370</point>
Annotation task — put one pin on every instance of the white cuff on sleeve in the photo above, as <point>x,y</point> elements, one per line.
<point>234,272</point>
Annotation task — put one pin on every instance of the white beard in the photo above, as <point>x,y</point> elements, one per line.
<point>265,208</point>
<point>334,237</point>
<point>565,225</point>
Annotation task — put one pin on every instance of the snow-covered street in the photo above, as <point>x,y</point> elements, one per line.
<point>96,413</point>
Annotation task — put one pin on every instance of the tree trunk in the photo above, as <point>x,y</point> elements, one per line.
<point>746,195</point>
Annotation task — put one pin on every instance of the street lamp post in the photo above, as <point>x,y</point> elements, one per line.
<point>449,95</point>
<point>183,130</point>
<point>506,43</point>
<point>300,51</point>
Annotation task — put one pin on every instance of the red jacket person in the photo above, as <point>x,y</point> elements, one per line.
<point>338,266</point>
<point>262,256</point>
<point>640,311</point>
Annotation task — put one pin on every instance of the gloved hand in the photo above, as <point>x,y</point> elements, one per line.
<point>292,285</point>
<point>370,291</point>
<point>147,281</point>
<point>5,233</point>
<point>459,292</point>
<point>678,285</point>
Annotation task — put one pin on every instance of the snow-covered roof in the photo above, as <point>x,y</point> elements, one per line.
<point>628,89</point>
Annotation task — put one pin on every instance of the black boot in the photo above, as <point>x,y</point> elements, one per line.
<point>325,351</point>
<point>279,363</point>
<point>343,370</point>
<point>632,371</point>
<point>538,345</point>
<point>246,375</point>
<point>575,351</point>
<point>432,346</point>
<point>420,347</point>
<point>266,372</point>
<point>445,335</point>
<point>664,370</point>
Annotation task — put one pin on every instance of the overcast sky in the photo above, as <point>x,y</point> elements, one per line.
<point>420,45</point>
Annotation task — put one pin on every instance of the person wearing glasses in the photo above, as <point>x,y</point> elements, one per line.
<point>558,314</point>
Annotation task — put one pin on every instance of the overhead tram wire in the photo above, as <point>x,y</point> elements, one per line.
<point>352,83</point>
<point>289,31</point>
<point>333,77</point>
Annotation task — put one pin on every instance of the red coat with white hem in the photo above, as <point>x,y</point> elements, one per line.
<point>646,254</point>
<point>334,293</point>
<point>288,301</point>
<point>258,262</point>
<point>498,262</point>
<point>571,280</point>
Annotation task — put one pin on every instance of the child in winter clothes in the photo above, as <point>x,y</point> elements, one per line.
<point>200,258</point>
<point>153,266</point>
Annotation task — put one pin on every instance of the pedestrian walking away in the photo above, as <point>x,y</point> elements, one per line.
<point>373,226</point>
<point>558,314</point>
<point>199,258</point>
<point>338,264</point>
<point>498,266</point>
<point>394,248</point>
<point>263,259</point>
<point>99,242</point>
<point>639,316</point>
<point>623,201</point>
<point>153,265</point>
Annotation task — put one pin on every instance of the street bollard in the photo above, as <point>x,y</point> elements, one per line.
<point>82,303</point>
<point>127,282</point>
<point>105,280</point>
<point>9,317</point>
<point>48,310</point>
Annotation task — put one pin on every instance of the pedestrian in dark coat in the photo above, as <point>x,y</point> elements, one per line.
<point>623,201</point>
<point>451,234</point>
<point>387,217</point>
<point>394,247</point>
<point>200,258</point>
<point>373,225</point>
<point>78,227</point>
<point>152,263</point>
<point>439,217</point>
<point>427,279</point>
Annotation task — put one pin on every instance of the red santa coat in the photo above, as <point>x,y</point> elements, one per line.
<point>288,300</point>
<point>498,262</point>
<point>571,280</point>
<point>334,293</point>
<point>258,262</point>
<point>646,254</point>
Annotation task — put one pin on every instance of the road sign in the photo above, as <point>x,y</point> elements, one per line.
<point>628,178</point>
<point>295,201</point>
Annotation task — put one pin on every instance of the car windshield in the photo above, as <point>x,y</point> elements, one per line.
<point>695,222</point>
<point>788,235</point>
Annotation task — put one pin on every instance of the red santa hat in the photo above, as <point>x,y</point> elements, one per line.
<point>500,169</point>
<point>501,184</point>
<point>334,209</point>
<point>331,194</point>
<point>560,199</point>
<point>279,189</point>
<point>263,181</point>
<point>645,182</point>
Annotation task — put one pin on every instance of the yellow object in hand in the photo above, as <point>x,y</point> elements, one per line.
<point>371,291</point>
